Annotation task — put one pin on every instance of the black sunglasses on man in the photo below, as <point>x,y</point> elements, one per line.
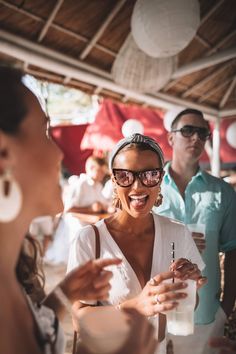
<point>189,130</point>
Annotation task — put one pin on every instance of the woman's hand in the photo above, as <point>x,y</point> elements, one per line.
<point>90,281</point>
<point>226,345</point>
<point>159,295</point>
<point>184,269</point>
<point>141,338</point>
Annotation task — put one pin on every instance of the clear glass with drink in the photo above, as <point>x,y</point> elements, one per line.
<point>180,321</point>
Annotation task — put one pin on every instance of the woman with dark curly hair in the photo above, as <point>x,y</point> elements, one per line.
<point>29,187</point>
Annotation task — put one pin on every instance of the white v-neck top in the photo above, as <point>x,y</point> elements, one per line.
<point>124,283</point>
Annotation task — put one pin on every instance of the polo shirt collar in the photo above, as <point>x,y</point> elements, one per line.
<point>200,174</point>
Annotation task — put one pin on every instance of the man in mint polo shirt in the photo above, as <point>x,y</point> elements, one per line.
<point>193,196</point>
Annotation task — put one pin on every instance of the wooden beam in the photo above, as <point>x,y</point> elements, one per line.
<point>101,29</point>
<point>50,20</point>
<point>83,39</point>
<point>176,101</point>
<point>125,98</point>
<point>219,44</point>
<point>200,64</point>
<point>170,84</point>
<point>66,80</point>
<point>58,27</point>
<point>211,12</point>
<point>39,48</point>
<point>25,66</point>
<point>48,76</point>
<point>20,10</point>
<point>201,40</point>
<point>97,90</point>
<point>205,80</point>
<point>228,93</point>
<point>214,90</point>
<point>53,62</point>
<point>205,62</point>
<point>227,113</point>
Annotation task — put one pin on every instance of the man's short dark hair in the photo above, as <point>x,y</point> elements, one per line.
<point>183,113</point>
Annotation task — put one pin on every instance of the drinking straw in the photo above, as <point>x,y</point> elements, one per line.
<point>173,256</point>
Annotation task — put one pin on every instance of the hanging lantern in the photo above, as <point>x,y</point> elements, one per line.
<point>162,28</point>
<point>137,71</point>
<point>231,135</point>
<point>132,126</point>
<point>170,116</point>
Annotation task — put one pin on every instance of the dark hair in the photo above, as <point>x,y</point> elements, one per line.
<point>12,103</point>
<point>187,111</point>
<point>29,269</point>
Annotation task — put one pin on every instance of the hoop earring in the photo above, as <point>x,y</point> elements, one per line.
<point>10,197</point>
<point>159,199</point>
<point>116,200</point>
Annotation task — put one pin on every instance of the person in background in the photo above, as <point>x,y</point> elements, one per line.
<point>108,192</point>
<point>143,240</point>
<point>42,228</point>
<point>29,187</point>
<point>193,196</point>
<point>85,194</point>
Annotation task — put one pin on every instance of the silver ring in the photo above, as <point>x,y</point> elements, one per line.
<point>157,299</point>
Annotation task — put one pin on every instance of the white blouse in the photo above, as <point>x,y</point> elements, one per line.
<point>124,283</point>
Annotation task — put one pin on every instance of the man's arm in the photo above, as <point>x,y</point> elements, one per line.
<point>229,294</point>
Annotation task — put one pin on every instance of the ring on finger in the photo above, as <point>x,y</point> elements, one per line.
<point>157,299</point>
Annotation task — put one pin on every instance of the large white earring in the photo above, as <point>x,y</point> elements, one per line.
<point>10,197</point>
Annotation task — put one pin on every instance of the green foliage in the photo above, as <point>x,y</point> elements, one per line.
<point>64,105</point>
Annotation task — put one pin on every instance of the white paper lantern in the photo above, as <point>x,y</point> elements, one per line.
<point>170,116</point>
<point>137,71</point>
<point>132,126</point>
<point>162,28</point>
<point>231,135</point>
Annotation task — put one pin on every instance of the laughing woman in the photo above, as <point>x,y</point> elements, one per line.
<point>142,239</point>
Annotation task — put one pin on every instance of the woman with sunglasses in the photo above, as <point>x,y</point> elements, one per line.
<point>143,240</point>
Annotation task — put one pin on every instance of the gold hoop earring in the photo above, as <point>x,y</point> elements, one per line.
<point>159,199</point>
<point>10,197</point>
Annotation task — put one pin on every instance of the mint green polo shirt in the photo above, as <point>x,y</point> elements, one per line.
<point>209,201</point>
